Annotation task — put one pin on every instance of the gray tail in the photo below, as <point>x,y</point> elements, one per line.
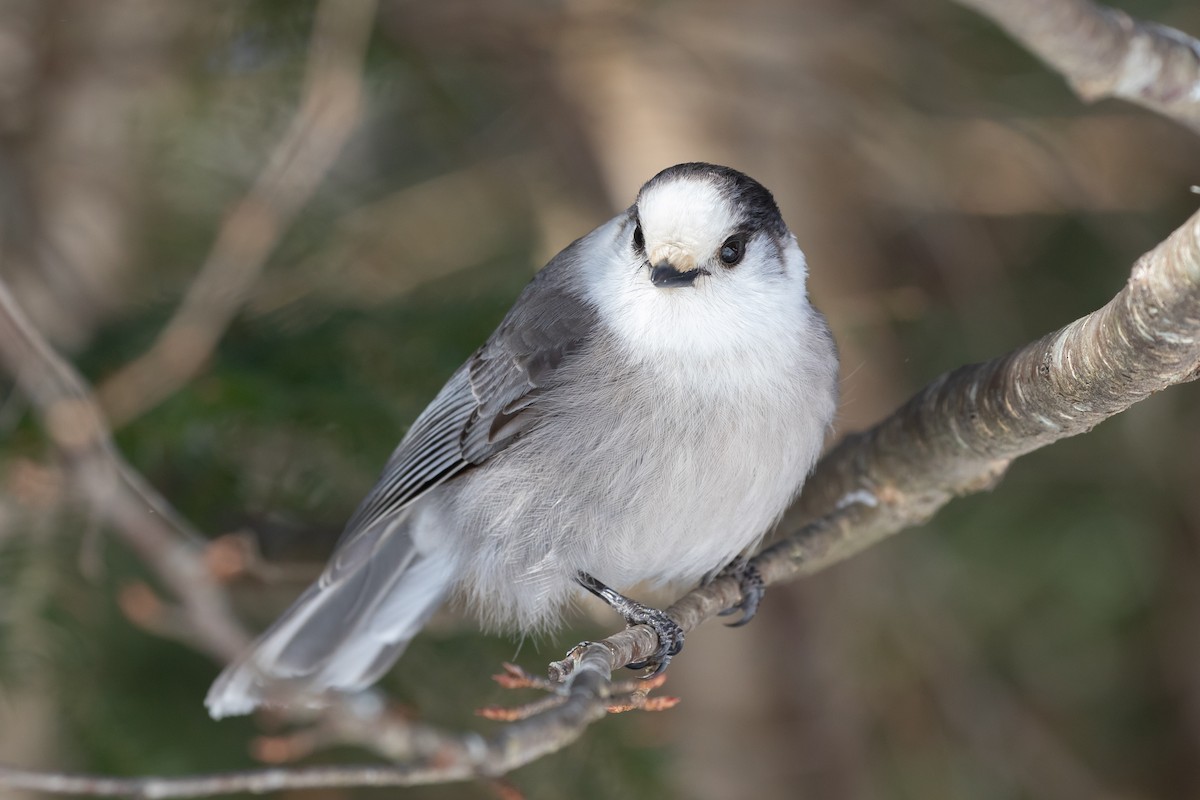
<point>342,633</point>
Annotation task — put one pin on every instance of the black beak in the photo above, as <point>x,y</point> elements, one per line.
<point>665,276</point>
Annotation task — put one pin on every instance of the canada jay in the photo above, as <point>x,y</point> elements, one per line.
<point>646,411</point>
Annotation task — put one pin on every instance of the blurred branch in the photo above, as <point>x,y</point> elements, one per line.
<point>1103,52</point>
<point>329,111</point>
<point>441,758</point>
<point>142,517</point>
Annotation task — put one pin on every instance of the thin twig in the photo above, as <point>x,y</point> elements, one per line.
<point>444,758</point>
<point>329,112</point>
<point>254,781</point>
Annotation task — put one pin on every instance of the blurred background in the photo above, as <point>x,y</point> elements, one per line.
<point>954,200</point>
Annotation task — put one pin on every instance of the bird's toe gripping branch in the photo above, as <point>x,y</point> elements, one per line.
<point>670,635</point>
<point>750,581</point>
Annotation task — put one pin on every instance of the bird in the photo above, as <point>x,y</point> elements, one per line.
<point>645,412</point>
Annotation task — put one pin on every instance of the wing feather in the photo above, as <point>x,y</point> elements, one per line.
<point>488,403</point>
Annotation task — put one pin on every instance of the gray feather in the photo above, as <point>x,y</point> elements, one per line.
<point>488,402</point>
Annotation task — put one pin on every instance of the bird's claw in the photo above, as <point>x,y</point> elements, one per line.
<point>670,637</point>
<point>750,581</point>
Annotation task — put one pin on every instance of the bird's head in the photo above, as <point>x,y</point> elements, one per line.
<point>696,224</point>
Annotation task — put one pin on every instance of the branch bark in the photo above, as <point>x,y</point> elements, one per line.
<point>1103,52</point>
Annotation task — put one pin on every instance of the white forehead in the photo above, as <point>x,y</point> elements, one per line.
<point>689,212</point>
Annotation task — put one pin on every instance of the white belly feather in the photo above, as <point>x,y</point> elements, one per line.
<point>641,472</point>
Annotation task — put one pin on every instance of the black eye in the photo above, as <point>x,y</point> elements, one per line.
<point>639,241</point>
<point>733,250</point>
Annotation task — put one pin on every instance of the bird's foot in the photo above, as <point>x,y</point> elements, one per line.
<point>670,635</point>
<point>750,581</point>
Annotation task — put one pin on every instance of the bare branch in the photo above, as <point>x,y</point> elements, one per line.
<point>142,517</point>
<point>441,758</point>
<point>329,111</point>
<point>257,781</point>
<point>1103,52</point>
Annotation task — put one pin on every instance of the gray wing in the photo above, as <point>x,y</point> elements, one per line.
<point>379,589</point>
<point>486,405</point>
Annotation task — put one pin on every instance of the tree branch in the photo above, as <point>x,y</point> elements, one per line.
<point>1103,52</point>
